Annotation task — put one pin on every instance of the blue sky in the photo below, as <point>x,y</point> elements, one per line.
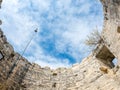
<point>63,27</point>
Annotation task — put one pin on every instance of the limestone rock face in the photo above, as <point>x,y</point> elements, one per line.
<point>95,72</point>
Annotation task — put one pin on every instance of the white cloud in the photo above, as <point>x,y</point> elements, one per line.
<point>16,26</point>
<point>69,22</point>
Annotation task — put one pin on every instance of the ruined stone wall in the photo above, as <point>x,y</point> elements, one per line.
<point>74,78</point>
<point>13,67</point>
<point>111,30</point>
<point>11,72</point>
<point>95,72</point>
<point>90,74</point>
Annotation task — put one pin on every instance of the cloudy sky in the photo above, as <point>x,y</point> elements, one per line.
<point>63,26</point>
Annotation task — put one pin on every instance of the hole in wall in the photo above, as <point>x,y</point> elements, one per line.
<point>54,85</point>
<point>106,57</point>
<point>118,29</point>
<point>54,74</point>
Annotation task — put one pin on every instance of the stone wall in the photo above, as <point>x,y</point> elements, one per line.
<point>90,74</point>
<point>95,72</point>
<point>13,67</point>
<point>111,32</point>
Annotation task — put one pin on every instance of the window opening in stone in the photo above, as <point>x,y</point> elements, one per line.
<point>118,29</point>
<point>106,57</point>
<point>1,56</point>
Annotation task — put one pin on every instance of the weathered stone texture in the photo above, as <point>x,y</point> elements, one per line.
<point>11,72</point>
<point>111,34</point>
<point>84,76</point>
<point>95,72</point>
